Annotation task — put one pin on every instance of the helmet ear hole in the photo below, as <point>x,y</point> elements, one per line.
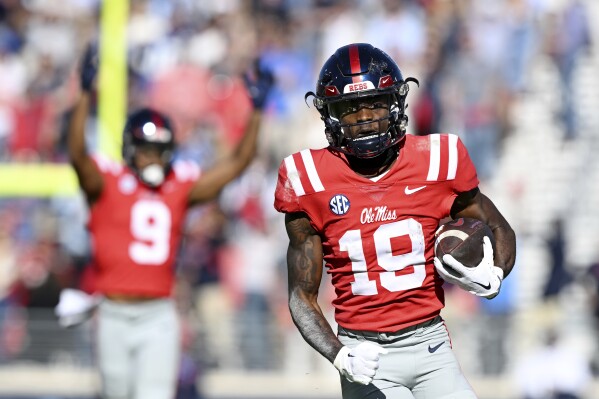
<point>403,123</point>
<point>403,89</point>
<point>333,132</point>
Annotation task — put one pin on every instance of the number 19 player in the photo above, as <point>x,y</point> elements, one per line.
<point>368,205</point>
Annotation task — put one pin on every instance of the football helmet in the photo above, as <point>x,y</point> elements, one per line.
<point>357,72</point>
<point>149,128</point>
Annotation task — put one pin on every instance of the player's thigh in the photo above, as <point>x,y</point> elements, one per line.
<point>114,362</point>
<point>158,358</point>
<point>445,384</point>
<point>440,375</point>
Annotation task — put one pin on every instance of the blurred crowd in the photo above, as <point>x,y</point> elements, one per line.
<point>184,58</point>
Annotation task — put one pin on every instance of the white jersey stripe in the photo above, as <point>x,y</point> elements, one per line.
<point>311,169</point>
<point>452,167</point>
<point>293,176</point>
<point>435,159</point>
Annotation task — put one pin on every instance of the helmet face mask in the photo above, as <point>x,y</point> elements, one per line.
<point>355,77</point>
<point>149,135</point>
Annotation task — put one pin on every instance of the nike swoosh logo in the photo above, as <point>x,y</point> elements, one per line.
<point>433,349</point>
<point>409,190</point>
<point>487,287</point>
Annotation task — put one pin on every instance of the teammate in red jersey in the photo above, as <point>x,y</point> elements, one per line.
<point>137,209</point>
<point>368,206</point>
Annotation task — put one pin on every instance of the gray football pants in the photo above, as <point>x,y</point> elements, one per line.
<point>138,349</point>
<point>420,364</point>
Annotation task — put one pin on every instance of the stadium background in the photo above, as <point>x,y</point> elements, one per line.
<point>516,79</point>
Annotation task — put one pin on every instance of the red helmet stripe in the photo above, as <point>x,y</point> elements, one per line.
<point>354,62</point>
<point>156,120</point>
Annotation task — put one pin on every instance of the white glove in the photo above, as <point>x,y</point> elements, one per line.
<point>359,364</point>
<point>484,280</point>
<point>74,307</point>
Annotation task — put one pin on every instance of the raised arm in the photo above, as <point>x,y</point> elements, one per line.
<point>474,204</point>
<point>304,264</point>
<point>90,179</point>
<point>225,170</point>
<point>228,168</point>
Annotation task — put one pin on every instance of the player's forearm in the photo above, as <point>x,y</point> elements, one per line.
<point>246,150</point>
<point>214,180</point>
<point>313,327</point>
<point>505,248</point>
<point>89,178</point>
<point>76,137</point>
<point>505,238</point>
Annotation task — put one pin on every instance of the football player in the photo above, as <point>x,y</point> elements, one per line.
<point>137,209</point>
<point>368,206</point>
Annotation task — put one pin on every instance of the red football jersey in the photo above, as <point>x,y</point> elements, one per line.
<point>378,236</point>
<point>136,230</point>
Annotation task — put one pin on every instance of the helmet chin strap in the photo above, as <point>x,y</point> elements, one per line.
<point>378,143</point>
<point>368,148</point>
<point>152,175</point>
<point>374,166</point>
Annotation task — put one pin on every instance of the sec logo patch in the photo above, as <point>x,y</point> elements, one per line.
<point>339,204</point>
<point>127,184</point>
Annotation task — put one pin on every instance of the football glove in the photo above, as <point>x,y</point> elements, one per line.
<point>484,280</point>
<point>359,364</point>
<point>89,67</point>
<point>259,85</point>
<point>74,307</point>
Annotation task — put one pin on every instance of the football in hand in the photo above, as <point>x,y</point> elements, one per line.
<point>463,239</point>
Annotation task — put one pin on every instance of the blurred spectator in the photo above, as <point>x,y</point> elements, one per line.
<point>593,285</point>
<point>399,27</point>
<point>569,38</point>
<point>200,264</point>
<point>498,319</point>
<point>470,102</point>
<point>8,276</point>
<point>258,255</point>
<point>559,276</point>
<point>553,371</point>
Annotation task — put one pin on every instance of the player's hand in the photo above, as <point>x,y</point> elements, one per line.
<point>259,84</point>
<point>89,67</point>
<point>74,307</point>
<point>484,280</point>
<point>359,364</point>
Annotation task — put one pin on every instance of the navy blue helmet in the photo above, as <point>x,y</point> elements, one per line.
<point>147,127</point>
<point>357,71</point>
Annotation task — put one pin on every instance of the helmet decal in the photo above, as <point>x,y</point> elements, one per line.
<point>354,61</point>
<point>360,86</point>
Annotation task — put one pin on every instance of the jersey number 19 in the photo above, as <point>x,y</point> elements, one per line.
<point>351,242</point>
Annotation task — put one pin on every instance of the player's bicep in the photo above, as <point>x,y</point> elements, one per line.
<point>304,257</point>
<point>90,179</point>
<point>476,205</point>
